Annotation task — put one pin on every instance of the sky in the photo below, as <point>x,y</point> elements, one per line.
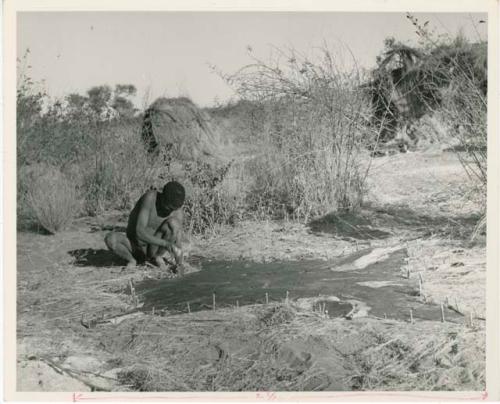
<point>170,53</point>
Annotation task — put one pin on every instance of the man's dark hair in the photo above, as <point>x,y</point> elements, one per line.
<point>174,194</point>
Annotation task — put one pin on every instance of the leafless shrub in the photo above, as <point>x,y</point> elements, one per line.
<point>315,126</point>
<point>465,109</point>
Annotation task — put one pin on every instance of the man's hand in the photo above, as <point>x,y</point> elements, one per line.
<point>178,254</point>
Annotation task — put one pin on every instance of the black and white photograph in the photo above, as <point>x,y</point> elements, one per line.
<point>251,201</point>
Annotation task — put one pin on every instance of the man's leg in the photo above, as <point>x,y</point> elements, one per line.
<point>121,246</point>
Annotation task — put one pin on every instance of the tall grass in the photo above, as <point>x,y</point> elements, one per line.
<point>119,170</point>
<point>316,125</point>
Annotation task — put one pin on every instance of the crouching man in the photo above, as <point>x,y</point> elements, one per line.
<point>154,228</point>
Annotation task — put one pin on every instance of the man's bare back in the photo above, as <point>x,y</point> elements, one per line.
<point>154,227</point>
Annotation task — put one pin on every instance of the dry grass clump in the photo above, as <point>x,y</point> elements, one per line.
<point>446,359</point>
<point>52,198</point>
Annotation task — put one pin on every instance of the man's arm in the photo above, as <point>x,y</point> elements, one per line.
<point>175,222</point>
<point>142,231</point>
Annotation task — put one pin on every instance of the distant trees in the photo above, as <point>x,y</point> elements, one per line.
<point>82,136</point>
<point>103,102</point>
<point>121,101</point>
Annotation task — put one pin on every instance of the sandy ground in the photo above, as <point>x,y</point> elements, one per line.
<point>435,187</point>
<point>74,333</point>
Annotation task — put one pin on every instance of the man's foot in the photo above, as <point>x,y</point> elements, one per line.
<point>132,264</point>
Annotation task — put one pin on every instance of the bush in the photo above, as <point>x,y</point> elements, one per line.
<point>315,128</point>
<point>457,72</point>
<point>214,198</point>
<point>95,138</point>
<point>445,76</point>
<point>116,174</point>
<point>51,197</point>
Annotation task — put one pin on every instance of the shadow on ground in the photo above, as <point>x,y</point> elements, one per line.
<point>374,223</point>
<point>457,227</point>
<point>29,226</point>
<point>106,228</point>
<point>90,257</point>
<point>348,225</point>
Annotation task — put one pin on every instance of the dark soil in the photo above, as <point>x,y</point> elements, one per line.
<point>248,282</point>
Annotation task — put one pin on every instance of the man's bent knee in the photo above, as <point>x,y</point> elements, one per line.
<point>111,241</point>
